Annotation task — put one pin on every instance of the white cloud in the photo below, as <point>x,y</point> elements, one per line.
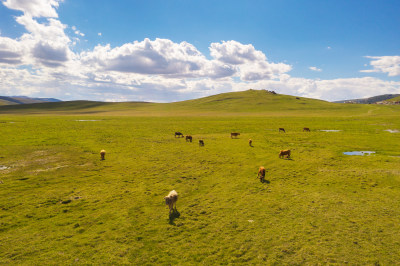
<point>384,64</point>
<point>251,63</point>
<point>35,8</point>
<point>99,34</point>
<point>315,69</point>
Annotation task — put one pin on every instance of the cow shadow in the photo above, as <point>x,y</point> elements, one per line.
<point>172,216</point>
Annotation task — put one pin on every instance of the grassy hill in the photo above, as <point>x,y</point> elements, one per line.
<point>5,100</point>
<point>395,99</point>
<point>374,99</point>
<point>60,204</point>
<point>250,102</point>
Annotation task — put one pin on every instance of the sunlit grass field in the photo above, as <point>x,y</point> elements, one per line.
<point>60,204</point>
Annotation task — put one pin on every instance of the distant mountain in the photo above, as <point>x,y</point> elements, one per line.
<point>369,100</point>
<point>6,100</point>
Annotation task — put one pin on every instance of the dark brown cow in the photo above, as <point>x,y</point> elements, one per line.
<point>179,134</point>
<point>189,138</point>
<point>234,134</point>
<point>201,142</point>
<point>283,153</point>
<point>261,173</point>
<point>250,142</point>
<point>282,129</point>
<point>306,129</point>
<point>103,154</point>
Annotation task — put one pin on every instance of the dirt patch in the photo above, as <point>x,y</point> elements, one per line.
<point>392,130</point>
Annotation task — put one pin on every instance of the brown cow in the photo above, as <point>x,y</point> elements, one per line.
<point>102,154</point>
<point>170,200</point>
<point>201,142</point>
<point>282,129</point>
<point>250,142</point>
<point>189,138</point>
<point>283,153</point>
<point>306,129</point>
<point>234,134</point>
<point>179,134</point>
<point>261,173</point>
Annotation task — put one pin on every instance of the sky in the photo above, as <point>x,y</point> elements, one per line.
<point>174,50</point>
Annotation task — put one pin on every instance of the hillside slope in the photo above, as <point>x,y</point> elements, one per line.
<point>250,102</point>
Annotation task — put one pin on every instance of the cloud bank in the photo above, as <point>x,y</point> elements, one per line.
<point>42,63</point>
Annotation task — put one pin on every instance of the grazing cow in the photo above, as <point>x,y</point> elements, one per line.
<point>170,200</point>
<point>283,153</point>
<point>201,142</point>
<point>282,129</point>
<point>251,142</point>
<point>306,129</point>
<point>189,138</point>
<point>234,134</point>
<point>261,174</point>
<point>102,154</point>
<point>179,134</point>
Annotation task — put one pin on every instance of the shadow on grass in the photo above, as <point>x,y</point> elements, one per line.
<point>175,214</point>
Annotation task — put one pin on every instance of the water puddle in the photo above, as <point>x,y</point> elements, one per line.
<point>358,153</point>
<point>392,130</point>
<point>330,130</point>
<point>3,167</point>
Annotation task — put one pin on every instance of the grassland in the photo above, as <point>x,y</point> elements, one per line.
<point>60,204</point>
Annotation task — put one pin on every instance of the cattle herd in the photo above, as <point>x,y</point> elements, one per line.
<point>172,197</point>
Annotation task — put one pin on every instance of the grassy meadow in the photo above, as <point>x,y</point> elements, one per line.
<point>60,204</point>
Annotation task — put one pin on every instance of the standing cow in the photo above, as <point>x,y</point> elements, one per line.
<point>201,142</point>
<point>261,174</point>
<point>234,134</point>
<point>189,138</point>
<point>282,154</point>
<point>102,154</point>
<point>178,134</point>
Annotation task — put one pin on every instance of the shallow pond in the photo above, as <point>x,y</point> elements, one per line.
<point>358,153</point>
<point>330,130</point>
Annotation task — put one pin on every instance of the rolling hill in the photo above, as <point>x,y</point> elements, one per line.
<point>238,103</point>
<point>6,100</point>
<point>374,99</point>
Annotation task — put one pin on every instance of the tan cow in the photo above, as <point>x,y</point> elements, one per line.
<point>170,200</point>
<point>102,154</point>
<point>261,173</point>
<point>283,153</point>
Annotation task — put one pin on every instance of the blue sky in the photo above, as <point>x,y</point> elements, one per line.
<point>176,50</point>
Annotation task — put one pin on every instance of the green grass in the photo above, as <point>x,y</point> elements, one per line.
<point>60,204</point>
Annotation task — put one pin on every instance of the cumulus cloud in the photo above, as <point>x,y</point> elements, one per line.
<point>250,63</point>
<point>385,64</point>
<point>10,51</point>
<point>315,69</point>
<point>35,8</point>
